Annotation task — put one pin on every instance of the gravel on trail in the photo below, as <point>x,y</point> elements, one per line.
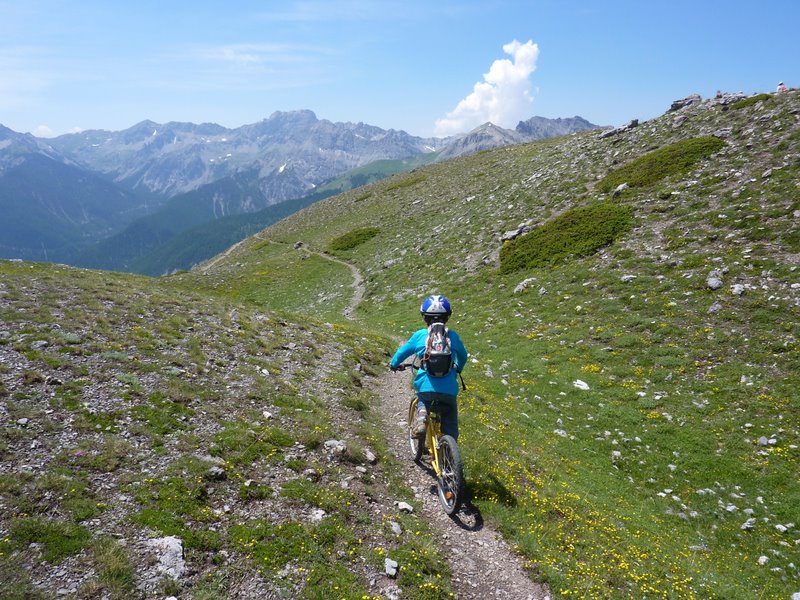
<point>482,563</point>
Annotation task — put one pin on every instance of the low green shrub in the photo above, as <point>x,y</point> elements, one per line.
<point>406,182</point>
<point>576,232</point>
<point>745,102</point>
<point>654,166</point>
<point>350,240</point>
<point>58,539</point>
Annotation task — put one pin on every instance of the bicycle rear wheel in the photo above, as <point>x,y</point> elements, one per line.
<point>416,444</point>
<point>451,484</point>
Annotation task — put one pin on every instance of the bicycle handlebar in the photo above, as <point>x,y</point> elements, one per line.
<point>404,366</point>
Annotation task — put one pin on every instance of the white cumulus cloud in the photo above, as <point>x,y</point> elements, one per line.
<point>503,97</point>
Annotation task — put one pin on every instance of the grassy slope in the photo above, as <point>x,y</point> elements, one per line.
<point>130,409</point>
<point>640,485</point>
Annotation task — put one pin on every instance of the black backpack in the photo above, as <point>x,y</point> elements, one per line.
<point>438,358</point>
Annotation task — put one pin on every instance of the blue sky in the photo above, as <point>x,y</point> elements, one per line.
<point>429,68</point>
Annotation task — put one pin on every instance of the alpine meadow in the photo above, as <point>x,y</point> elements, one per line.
<point>630,299</point>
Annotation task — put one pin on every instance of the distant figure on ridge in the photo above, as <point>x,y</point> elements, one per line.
<point>782,87</point>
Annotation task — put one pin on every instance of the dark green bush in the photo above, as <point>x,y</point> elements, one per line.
<point>406,182</point>
<point>654,166</point>
<point>576,232</point>
<point>745,102</point>
<point>350,240</point>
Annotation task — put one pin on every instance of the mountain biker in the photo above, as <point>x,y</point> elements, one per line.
<point>443,390</point>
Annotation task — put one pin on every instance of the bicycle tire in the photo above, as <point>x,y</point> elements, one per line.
<point>416,444</point>
<point>450,485</point>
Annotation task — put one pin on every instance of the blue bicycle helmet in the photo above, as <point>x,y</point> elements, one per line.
<point>435,306</point>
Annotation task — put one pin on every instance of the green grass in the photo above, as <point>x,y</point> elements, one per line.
<point>58,539</point>
<point>242,444</point>
<point>668,379</point>
<point>352,239</point>
<point>672,160</point>
<point>575,233</point>
<point>115,574</point>
<point>161,415</point>
<point>405,181</point>
<point>313,548</point>
<point>745,102</point>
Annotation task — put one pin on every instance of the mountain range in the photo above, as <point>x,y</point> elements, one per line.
<point>113,199</point>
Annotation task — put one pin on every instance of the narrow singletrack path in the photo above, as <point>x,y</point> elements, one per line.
<point>358,282</point>
<point>204,267</point>
<point>482,564</point>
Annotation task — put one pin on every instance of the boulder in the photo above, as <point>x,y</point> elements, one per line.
<point>684,102</point>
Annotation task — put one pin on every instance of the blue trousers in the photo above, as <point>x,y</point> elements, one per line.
<point>445,405</point>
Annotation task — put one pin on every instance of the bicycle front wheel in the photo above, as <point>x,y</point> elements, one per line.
<point>451,483</point>
<point>416,444</point>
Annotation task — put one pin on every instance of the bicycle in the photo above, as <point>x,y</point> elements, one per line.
<point>443,451</point>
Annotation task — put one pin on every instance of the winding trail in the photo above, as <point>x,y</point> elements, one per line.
<point>205,267</point>
<point>358,283</point>
<point>482,564</point>
<point>358,279</point>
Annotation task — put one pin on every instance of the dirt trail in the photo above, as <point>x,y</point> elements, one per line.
<point>358,283</point>
<point>482,564</point>
<point>358,280</point>
<point>205,267</point>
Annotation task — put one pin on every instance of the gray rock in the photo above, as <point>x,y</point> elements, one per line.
<point>404,507</point>
<point>170,560</point>
<point>216,473</point>
<point>627,127</point>
<point>335,447</point>
<point>730,98</point>
<point>523,285</point>
<point>684,102</point>
<point>714,283</point>
<point>390,566</point>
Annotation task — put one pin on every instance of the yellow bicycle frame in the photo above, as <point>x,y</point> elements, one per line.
<point>433,431</point>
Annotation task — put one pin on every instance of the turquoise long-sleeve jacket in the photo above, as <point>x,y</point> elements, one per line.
<point>422,381</point>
